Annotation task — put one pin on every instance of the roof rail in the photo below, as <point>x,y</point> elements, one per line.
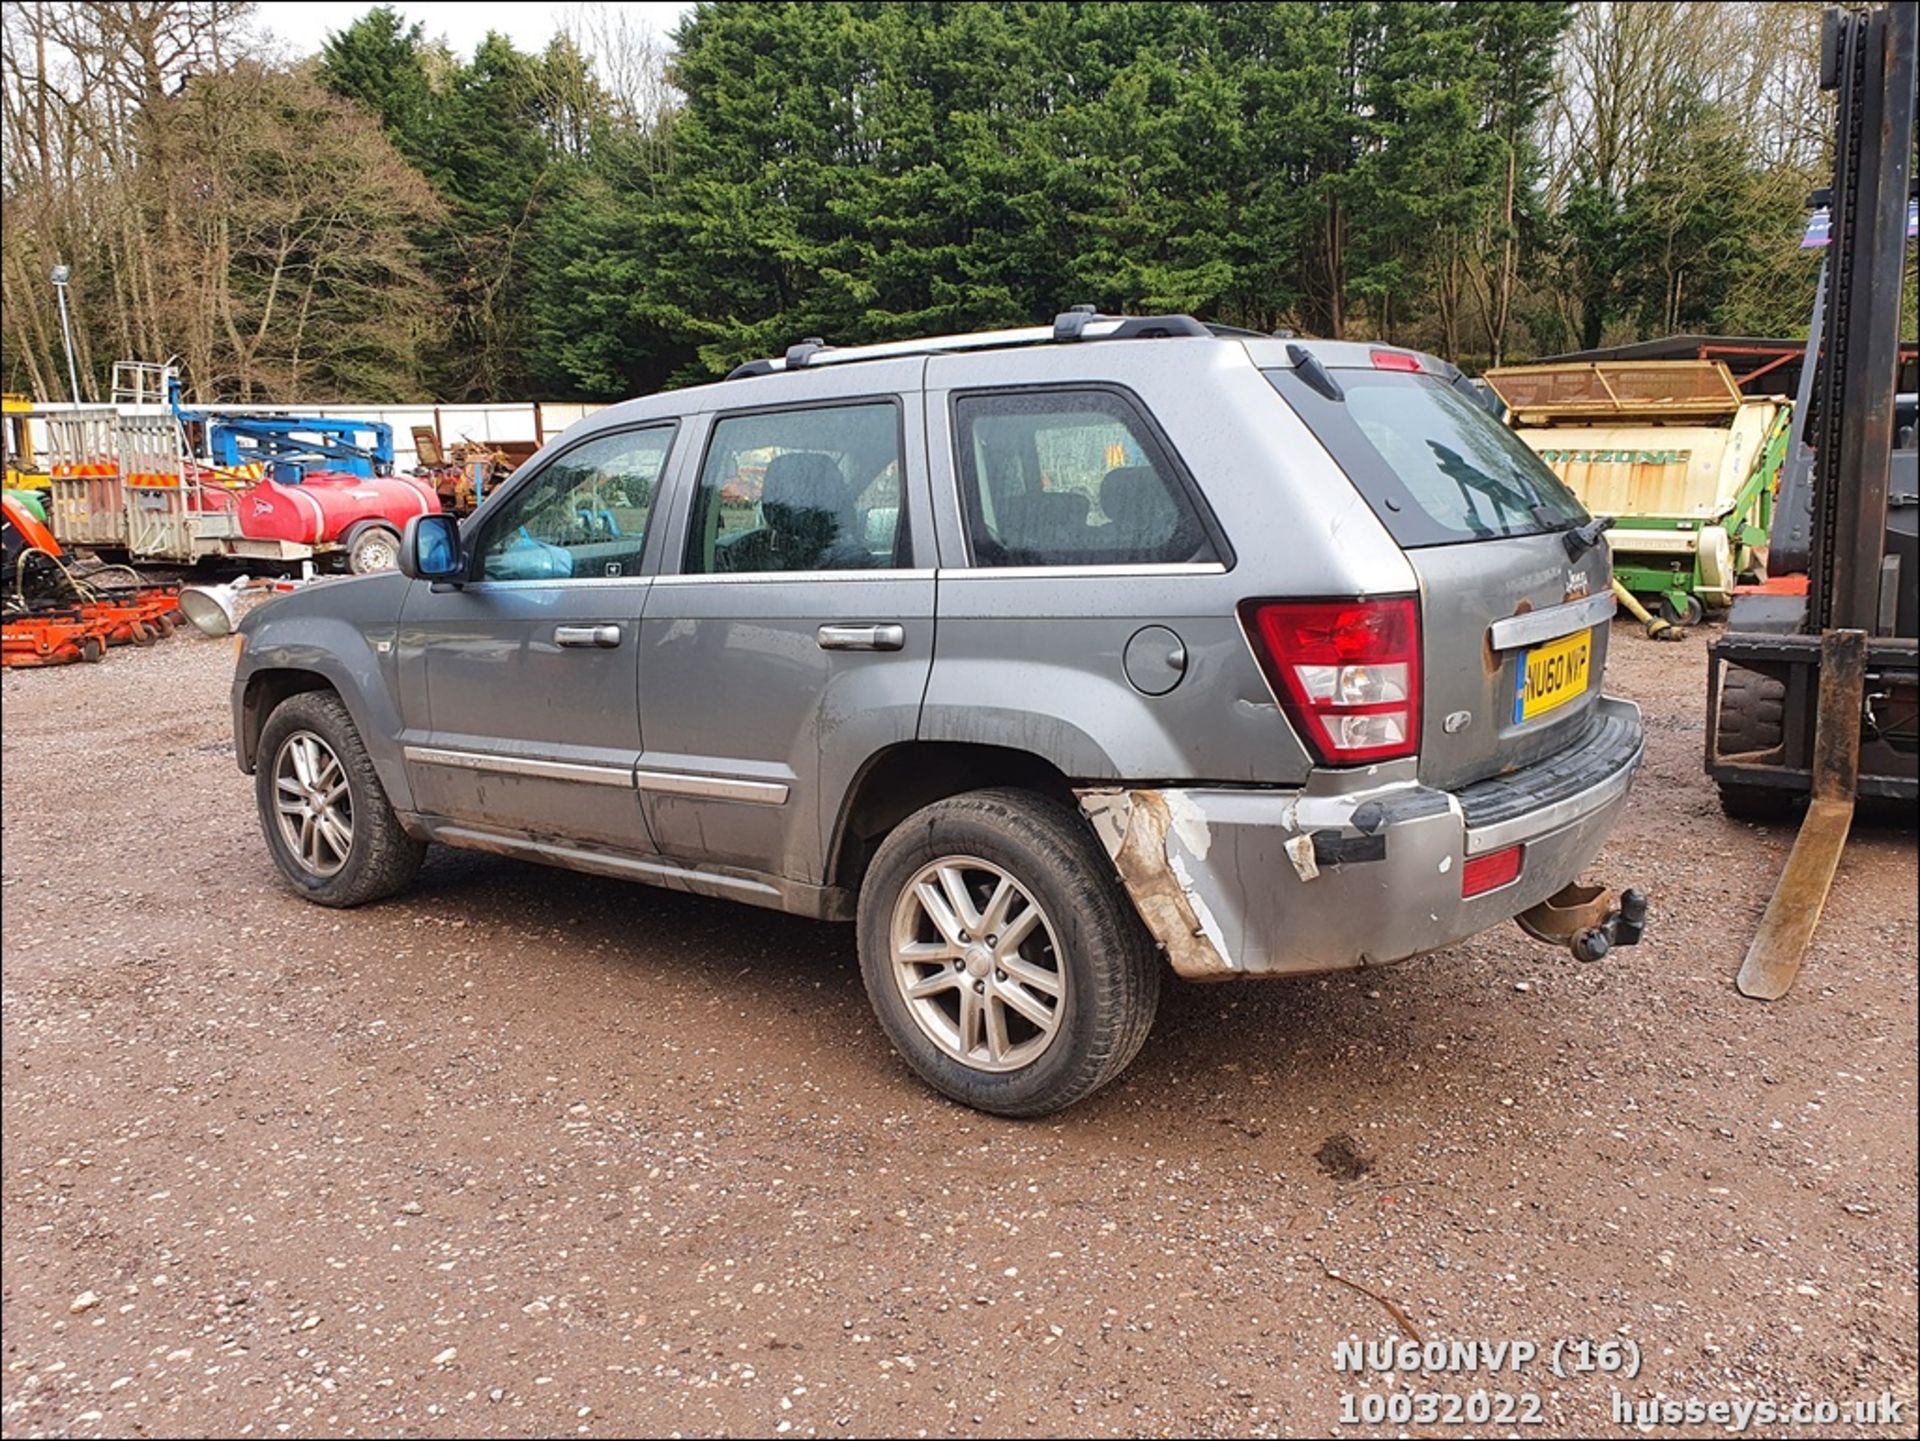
<point>1081,322</point>
<point>799,355</point>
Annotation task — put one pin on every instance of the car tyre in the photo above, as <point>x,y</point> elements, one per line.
<point>326,817</point>
<point>1083,965</point>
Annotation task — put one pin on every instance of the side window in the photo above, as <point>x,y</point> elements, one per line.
<point>801,490</point>
<point>584,516</point>
<point>1070,477</point>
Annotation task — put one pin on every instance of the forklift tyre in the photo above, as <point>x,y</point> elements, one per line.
<point>1752,722</point>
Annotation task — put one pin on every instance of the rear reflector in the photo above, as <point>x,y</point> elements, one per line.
<point>1347,672</point>
<point>1491,871</point>
<point>1395,360</point>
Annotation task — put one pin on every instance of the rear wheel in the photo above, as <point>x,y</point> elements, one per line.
<point>1001,956</point>
<point>373,548</point>
<point>324,812</point>
<point>1752,725</point>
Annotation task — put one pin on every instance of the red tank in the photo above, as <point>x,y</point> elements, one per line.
<point>324,506</point>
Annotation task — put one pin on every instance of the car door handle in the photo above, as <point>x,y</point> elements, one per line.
<point>599,637</point>
<point>862,637</point>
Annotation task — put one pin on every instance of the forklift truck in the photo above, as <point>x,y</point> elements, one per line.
<point>1813,691</point>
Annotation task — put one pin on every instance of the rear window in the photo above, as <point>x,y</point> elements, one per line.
<point>1435,467</point>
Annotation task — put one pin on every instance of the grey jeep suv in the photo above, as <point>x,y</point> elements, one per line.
<point>1050,657</point>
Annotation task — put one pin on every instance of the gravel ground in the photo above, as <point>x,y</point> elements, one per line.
<point>525,1152</point>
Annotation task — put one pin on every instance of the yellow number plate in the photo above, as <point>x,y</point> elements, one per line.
<point>1553,675</point>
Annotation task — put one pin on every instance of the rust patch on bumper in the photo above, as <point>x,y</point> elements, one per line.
<point>1135,826</point>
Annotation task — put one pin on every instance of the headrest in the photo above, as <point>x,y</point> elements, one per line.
<point>1050,507</point>
<point>803,480</point>
<point>1135,497</point>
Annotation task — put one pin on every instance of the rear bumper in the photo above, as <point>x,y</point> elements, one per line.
<point>1261,882</point>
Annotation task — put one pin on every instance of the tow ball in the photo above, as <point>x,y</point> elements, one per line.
<point>1585,920</point>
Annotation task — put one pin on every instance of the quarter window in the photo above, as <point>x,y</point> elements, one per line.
<point>584,516</point>
<point>801,490</point>
<point>1071,478</point>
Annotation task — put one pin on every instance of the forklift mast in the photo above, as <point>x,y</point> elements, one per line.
<point>1814,689</point>
<point>1869,60</point>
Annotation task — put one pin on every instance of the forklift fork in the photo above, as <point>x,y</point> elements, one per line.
<point>1780,945</point>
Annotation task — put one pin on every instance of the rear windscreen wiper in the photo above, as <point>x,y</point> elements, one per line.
<point>1583,538</point>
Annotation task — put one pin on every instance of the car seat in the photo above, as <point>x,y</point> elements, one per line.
<point>1045,521</point>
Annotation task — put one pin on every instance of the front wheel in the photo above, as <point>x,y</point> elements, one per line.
<point>325,814</point>
<point>1003,959</point>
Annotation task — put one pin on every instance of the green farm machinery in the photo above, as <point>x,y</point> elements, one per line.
<point>1686,464</point>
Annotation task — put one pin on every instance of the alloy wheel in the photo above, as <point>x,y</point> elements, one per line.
<point>977,962</point>
<point>312,803</point>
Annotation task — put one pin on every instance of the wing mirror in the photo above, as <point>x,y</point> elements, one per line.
<point>430,549</point>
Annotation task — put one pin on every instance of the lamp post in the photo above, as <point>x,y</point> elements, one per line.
<point>60,276</point>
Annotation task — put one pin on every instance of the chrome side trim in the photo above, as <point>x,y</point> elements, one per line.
<point>592,775</point>
<point>612,863</point>
<point>1076,572</point>
<point>792,577</point>
<point>593,582</point>
<point>1535,824</point>
<point>1555,621</point>
<point>712,788</point>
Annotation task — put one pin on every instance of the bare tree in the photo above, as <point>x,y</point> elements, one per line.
<point>629,60</point>
<point>94,159</point>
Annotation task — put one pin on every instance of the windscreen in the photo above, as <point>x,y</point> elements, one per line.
<point>1435,467</point>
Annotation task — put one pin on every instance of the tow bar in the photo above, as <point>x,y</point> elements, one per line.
<point>1584,920</point>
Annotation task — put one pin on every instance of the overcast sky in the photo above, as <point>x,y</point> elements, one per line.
<point>303,25</point>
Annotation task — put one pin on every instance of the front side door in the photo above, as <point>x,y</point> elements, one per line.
<point>530,669</point>
<point>796,640</point>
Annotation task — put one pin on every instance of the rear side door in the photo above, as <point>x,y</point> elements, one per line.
<point>1087,589</point>
<point>794,641</point>
<point>528,674</point>
<point>1513,628</point>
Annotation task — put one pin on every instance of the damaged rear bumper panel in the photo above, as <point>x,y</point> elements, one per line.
<point>1265,882</point>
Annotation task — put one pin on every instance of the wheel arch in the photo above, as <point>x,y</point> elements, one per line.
<point>266,689</point>
<point>900,779</point>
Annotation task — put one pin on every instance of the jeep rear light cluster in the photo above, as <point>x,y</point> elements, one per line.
<point>1347,672</point>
